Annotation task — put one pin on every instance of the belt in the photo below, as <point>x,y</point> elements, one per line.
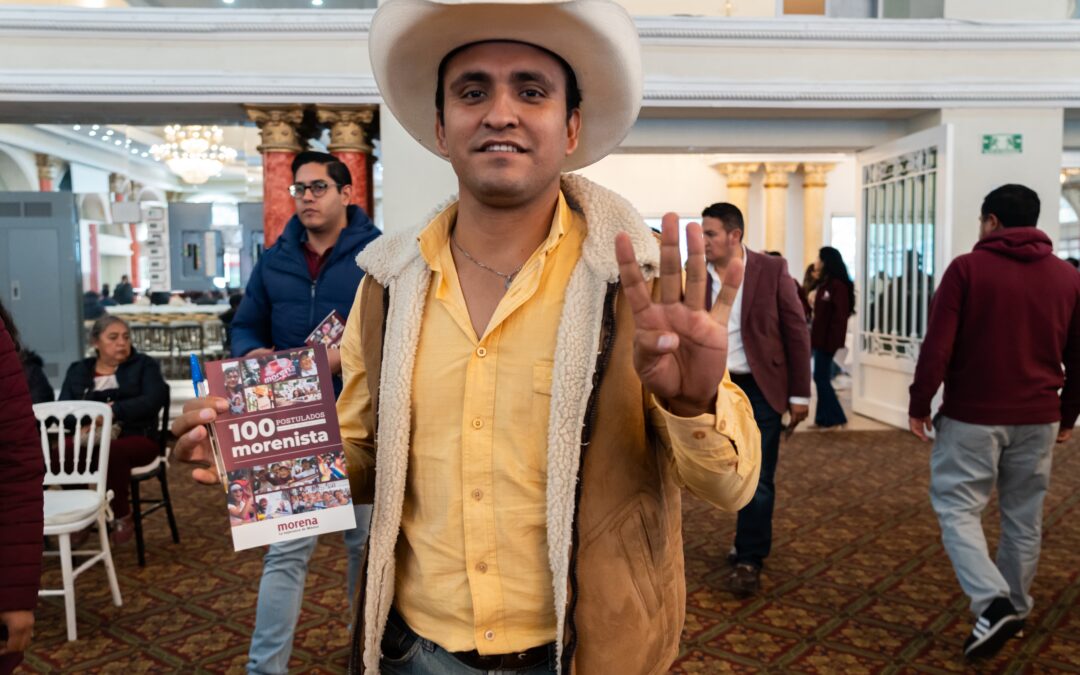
<point>530,658</point>
<point>740,379</point>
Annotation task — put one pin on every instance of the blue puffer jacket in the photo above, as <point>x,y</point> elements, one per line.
<point>282,305</point>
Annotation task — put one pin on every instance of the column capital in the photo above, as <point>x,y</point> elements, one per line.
<point>776,174</point>
<point>49,167</point>
<point>347,126</point>
<point>277,125</point>
<point>814,174</point>
<point>737,174</point>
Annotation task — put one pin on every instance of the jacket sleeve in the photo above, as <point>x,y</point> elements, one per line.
<point>251,328</point>
<point>717,456</point>
<point>153,392</point>
<point>41,390</point>
<point>22,472</point>
<point>73,386</point>
<point>841,312</point>
<point>795,334</point>
<point>1070,393</point>
<point>355,415</point>
<point>937,346</point>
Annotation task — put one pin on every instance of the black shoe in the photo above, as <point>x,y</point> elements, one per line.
<point>992,629</point>
<point>744,580</point>
<point>732,557</point>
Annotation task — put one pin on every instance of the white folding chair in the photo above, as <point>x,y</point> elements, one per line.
<point>72,510</point>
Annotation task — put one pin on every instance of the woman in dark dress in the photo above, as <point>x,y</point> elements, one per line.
<point>834,303</point>
<point>132,384</point>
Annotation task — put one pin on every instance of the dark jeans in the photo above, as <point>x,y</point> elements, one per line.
<point>829,413</point>
<point>406,653</point>
<point>753,529</point>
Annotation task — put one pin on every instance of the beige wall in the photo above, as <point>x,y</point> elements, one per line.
<point>1007,9</point>
<point>656,184</point>
<point>976,174</point>
<point>743,8</point>
<point>414,180</point>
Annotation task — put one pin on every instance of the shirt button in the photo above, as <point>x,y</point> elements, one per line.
<point>490,635</point>
<point>481,567</point>
<point>699,435</point>
<point>477,494</point>
<point>481,352</point>
<point>477,423</point>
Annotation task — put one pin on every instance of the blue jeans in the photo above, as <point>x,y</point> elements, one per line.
<point>829,412</point>
<point>282,590</point>
<point>753,529</point>
<point>406,653</point>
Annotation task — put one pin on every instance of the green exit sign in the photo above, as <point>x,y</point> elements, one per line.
<point>1002,144</point>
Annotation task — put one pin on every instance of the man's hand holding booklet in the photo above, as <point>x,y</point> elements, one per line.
<point>280,446</point>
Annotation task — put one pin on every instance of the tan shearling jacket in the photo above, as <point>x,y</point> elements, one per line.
<point>614,486</point>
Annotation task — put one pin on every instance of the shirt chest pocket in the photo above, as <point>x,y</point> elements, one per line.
<point>541,410</point>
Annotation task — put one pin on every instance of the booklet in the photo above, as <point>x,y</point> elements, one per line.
<point>280,447</point>
<point>329,332</point>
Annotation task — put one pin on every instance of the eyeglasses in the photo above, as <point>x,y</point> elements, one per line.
<point>318,189</point>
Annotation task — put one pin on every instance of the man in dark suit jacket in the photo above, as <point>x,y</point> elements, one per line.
<point>769,358</point>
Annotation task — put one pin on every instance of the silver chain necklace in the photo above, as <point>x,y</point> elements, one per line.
<point>509,278</point>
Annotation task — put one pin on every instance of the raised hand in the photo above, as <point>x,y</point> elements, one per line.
<point>680,350</point>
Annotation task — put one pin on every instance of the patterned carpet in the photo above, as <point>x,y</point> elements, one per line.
<point>857,583</point>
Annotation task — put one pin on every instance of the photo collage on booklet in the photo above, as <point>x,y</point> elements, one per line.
<point>268,382</point>
<point>287,487</point>
<point>279,446</point>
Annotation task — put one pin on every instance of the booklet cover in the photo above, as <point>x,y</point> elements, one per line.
<point>329,332</point>
<point>281,447</point>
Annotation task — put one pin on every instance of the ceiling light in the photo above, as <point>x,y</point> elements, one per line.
<point>317,3</point>
<point>109,132</point>
<point>194,152</point>
<point>93,133</point>
<point>145,154</point>
<point>134,151</point>
<point>95,127</point>
<point>76,127</point>
<point>119,143</point>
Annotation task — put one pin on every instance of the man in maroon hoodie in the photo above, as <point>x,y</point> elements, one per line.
<point>22,472</point>
<point>1002,322</point>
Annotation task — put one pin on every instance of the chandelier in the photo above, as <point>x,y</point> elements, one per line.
<point>194,152</point>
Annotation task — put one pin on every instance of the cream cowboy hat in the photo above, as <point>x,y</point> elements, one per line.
<point>409,38</point>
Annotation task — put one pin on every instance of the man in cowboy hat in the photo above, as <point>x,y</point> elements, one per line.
<point>527,371</point>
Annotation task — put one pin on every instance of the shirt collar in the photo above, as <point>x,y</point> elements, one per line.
<point>436,236</point>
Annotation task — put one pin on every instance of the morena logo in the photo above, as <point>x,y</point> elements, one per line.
<point>297,524</point>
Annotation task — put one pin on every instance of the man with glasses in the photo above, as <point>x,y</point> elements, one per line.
<point>309,272</point>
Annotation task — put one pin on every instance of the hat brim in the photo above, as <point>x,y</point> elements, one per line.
<point>597,38</point>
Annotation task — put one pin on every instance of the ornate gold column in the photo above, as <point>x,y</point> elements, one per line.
<point>348,142</point>
<point>280,143</point>
<point>737,175</point>
<point>776,184</point>
<point>814,208</point>
<point>49,169</point>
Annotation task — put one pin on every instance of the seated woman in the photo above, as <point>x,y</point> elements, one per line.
<point>132,385</point>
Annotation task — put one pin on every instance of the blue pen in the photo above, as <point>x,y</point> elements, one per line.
<point>198,381</point>
<point>196,375</point>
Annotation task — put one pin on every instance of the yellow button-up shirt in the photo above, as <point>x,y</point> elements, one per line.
<point>472,558</point>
